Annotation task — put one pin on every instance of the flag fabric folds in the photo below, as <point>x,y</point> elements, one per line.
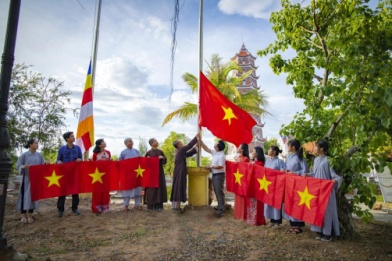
<point>237,177</point>
<point>268,186</point>
<point>53,180</point>
<point>223,118</point>
<point>307,198</point>
<point>85,131</point>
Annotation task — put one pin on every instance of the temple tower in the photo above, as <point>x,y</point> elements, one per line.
<point>247,63</point>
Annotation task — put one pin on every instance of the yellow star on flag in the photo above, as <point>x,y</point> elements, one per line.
<point>97,176</point>
<point>54,179</point>
<point>238,177</point>
<point>229,114</point>
<point>139,171</point>
<point>264,183</point>
<point>305,197</point>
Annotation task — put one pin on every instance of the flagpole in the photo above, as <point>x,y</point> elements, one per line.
<point>198,158</point>
<point>96,39</point>
<point>94,56</point>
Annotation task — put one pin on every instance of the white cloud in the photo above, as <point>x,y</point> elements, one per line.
<point>253,8</point>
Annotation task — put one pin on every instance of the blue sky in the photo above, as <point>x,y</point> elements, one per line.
<point>132,79</point>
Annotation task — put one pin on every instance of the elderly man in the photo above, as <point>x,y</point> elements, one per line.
<point>178,193</point>
<point>217,169</point>
<point>135,193</point>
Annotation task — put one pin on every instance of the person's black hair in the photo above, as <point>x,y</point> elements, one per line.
<point>260,154</point>
<point>276,149</point>
<point>175,143</point>
<point>245,149</point>
<point>150,141</point>
<point>97,144</point>
<point>221,145</point>
<point>28,143</point>
<point>298,148</point>
<point>323,144</point>
<point>67,135</point>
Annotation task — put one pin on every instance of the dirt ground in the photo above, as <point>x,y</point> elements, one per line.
<point>168,235</point>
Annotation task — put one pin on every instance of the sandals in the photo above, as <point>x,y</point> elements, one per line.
<point>126,209</point>
<point>295,230</point>
<point>138,208</point>
<point>30,220</point>
<point>23,220</point>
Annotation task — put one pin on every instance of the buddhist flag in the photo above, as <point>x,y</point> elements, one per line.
<point>85,132</point>
<point>268,186</point>
<point>307,198</point>
<point>237,177</point>
<point>139,172</point>
<point>223,118</point>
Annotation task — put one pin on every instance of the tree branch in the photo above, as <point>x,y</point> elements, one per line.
<point>320,79</point>
<point>336,123</point>
<point>351,151</point>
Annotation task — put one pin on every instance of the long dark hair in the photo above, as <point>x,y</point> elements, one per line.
<point>97,144</point>
<point>298,148</point>
<point>28,143</point>
<point>260,154</point>
<point>276,149</point>
<point>245,150</point>
<point>323,144</point>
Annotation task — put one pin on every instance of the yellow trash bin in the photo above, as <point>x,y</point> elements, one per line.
<point>198,186</point>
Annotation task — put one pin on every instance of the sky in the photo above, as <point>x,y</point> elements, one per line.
<point>132,84</point>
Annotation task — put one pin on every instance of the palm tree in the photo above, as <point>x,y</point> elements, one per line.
<point>219,74</point>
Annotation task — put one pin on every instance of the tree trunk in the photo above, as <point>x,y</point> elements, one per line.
<point>347,229</point>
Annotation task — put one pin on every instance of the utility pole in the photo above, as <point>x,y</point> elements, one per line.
<point>7,62</point>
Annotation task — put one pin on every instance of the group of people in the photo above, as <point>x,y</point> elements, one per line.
<point>249,209</point>
<point>256,213</point>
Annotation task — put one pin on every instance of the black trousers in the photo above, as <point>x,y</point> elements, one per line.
<point>218,181</point>
<point>61,202</point>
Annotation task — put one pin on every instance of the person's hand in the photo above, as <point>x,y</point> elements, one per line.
<point>59,162</point>
<point>207,167</point>
<point>161,157</point>
<point>26,166</point>
<point>198,136</point>
<point>283,170</point>
<point>78,160</point>
<point>305,175</point>
<point>149,156</point>
<point>47,162</point>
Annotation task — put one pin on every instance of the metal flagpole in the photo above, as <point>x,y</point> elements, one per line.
<point>198,159</point>
<point>94,56</point>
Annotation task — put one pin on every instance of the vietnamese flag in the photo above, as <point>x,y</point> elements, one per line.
<point>139,172</point>
<point>53,180</point>
<point>268,186</point>
<point>307,198</point>
<point>237,177</point>
<point>223,118</point>
<point>97,176</point>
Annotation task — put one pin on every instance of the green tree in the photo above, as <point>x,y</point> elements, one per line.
<point>219,74</point>
<point>270,142</point>
<point>342,71</point>
<point>37,108</point>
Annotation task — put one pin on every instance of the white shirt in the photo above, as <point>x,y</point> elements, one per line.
<point>218,159</point>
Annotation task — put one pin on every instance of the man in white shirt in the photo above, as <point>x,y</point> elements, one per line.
<point>217,169</point>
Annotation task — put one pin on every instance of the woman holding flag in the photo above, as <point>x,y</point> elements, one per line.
<point>240,211</point>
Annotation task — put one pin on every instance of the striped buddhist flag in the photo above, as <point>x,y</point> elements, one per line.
<point>85,132</point>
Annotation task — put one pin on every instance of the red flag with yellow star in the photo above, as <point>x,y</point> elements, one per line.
<point>97,176</point>
<point>223,118</point>
<point>53,180</point>
<point>237,177</point>
<point>268,186</point>
<point>139,172</point>
<point>307,198</point>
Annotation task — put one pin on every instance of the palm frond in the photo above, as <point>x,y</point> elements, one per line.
<point>191,81</point>
<point>185,112</point>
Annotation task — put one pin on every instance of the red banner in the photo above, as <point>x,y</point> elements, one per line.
<point>237,177</point>
<point>307,198</point>
<point>55,180</point>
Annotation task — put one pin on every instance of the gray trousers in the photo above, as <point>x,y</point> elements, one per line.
<point>218,181</point>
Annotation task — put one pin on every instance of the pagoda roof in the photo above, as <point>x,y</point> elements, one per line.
<point>243,53</point>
